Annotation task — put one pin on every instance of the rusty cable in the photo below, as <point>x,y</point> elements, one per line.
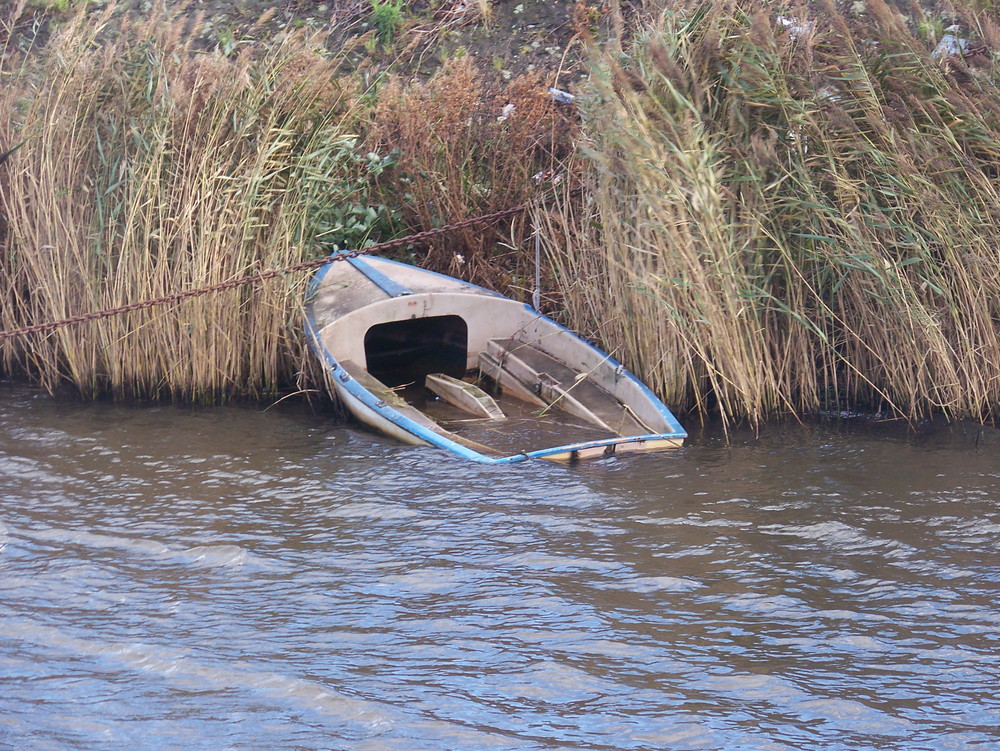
<point>263,276</point>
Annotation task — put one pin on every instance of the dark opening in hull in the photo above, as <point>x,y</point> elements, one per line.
<point>403,352</point>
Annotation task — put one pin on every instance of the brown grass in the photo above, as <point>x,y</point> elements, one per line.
<point>774,218</point>
<point>149,168</point>
<point>469,146</point>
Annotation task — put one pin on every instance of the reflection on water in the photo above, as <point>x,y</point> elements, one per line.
<point>228,578</point>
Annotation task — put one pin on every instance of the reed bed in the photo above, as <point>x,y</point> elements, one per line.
<point>787,210</point>
<point>146,169</point>
<point>765,209</point>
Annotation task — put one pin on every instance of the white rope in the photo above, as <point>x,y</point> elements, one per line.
<point>536,296</point>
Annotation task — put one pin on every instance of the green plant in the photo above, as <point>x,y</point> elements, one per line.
<point>227,42</point>
<point>387,17</point>
<point>930,28</point>
<point>338,219</point>
<point>55,5</point>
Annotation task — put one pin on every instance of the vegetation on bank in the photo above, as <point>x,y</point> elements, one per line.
<point>786,213</point>
<point>144,167</point>
<point>760,209</point>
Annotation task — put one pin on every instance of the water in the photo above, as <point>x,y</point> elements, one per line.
<point>232,579</point>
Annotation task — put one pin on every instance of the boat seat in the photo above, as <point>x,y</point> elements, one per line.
<point>386,394</point>
<point>465,396</point>
<point>528,373</point>
<point>492,368</point>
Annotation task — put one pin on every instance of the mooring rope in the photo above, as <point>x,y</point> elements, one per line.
<point>263,276</point>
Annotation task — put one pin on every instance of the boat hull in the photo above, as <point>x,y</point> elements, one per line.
<point>367,315</point>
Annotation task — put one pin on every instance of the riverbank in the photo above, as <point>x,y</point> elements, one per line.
<point>759,212</point>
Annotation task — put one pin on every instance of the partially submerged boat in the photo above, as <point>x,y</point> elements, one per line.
<point>436,361</point>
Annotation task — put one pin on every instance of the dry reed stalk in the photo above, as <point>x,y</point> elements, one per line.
<point>146,170</point>
<point>468,147</point>
<point>791,216</point>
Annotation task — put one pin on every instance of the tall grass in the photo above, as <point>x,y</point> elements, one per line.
<point>146,169</point>
<point>784,217</point>
<point>782,209</point>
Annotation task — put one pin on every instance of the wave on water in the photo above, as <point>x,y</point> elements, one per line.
<point>212,556</point>
<point>647,584</point>
<point>180,669</point>
<point>845,538</point>
<point>224,555</point>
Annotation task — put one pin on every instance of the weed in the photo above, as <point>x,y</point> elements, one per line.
<point>387,18</point>
<point>53,5</point>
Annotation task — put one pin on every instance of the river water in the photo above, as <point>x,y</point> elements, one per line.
<point>229,578</point>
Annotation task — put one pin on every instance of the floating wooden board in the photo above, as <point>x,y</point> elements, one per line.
<point>465,396</point>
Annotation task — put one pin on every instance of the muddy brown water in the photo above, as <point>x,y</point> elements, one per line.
<point>236,579</point>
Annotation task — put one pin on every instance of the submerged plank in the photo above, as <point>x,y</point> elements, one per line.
<point>556,385</point>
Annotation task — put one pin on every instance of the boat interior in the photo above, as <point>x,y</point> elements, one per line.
<point>519,397</point>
